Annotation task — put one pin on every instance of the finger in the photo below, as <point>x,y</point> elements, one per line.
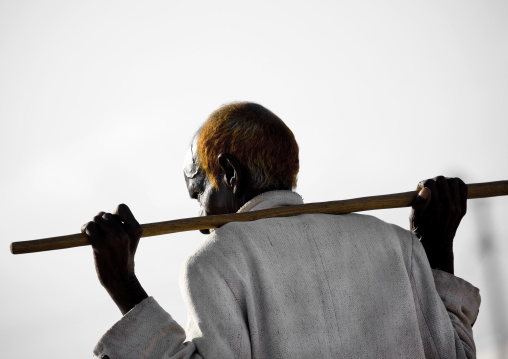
<point>105,225</point>
<point>116,222</point>
<point>453,185</point>
<point>463,196</point>
<point>445,198</point>
<point>125,214</point>
<point>83,228</point>
<point>91,230</point>
<point>430,184</point>
<point>112,217</point>
<point>419,206</point>
<point>422,200</point>
<point>442,191</point>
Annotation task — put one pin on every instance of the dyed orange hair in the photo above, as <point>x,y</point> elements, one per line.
<point>260,141</point>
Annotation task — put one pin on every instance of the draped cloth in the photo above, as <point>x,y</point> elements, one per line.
<point>308,286</point>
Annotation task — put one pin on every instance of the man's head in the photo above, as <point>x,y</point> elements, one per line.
<point>242,150</point>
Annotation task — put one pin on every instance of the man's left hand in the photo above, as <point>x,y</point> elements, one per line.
<point>435,216</point>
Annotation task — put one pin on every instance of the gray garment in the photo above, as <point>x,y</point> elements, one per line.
<point>310,286</point>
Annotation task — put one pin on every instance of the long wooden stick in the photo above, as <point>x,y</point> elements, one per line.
<point>405,199</point>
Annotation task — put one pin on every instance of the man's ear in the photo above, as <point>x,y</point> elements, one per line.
<point>231,172</point>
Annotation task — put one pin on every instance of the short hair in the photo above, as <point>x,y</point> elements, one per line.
<point>259,139</point>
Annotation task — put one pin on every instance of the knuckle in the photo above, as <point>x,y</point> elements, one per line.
<point>430,183</point>
<point>138,231</point>
<point>84,227</point>
<point>426,182</point>
<point>454,180</point>
<point>123,210</point>
<point>440,178</point>
<point>108,216</point>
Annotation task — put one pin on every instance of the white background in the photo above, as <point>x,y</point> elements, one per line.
<point>99,100</point>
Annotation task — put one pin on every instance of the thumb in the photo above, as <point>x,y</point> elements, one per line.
<point>422,200</point>
<point>418,208</point>
<point>126,216</point>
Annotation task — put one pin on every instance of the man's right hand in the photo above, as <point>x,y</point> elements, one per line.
<point>114,239</point>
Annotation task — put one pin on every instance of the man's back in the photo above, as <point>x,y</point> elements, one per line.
<point>314,286</point>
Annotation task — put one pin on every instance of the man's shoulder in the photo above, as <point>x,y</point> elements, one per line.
<point>373,222</point>
<point>311,221</point>
<point>237,243</point>
<point>214,253</point>
<point>245,235</point>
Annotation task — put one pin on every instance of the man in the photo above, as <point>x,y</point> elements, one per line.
<point>309,286</point>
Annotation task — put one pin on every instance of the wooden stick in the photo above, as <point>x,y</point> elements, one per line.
<point>397,200</point>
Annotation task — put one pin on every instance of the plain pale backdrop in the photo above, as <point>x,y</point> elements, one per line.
<point>99,100</point>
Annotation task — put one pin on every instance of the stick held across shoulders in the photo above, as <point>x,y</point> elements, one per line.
<point>397,200</point>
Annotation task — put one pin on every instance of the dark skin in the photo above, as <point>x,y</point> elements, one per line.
<point>436,214</point>
<point>115,237</point>
<point>232,192</point>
